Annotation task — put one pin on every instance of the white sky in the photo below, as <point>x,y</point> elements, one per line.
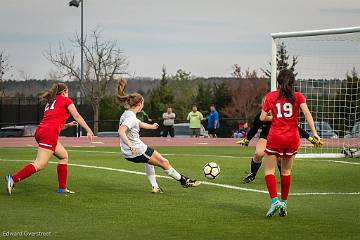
<point>204,37</point>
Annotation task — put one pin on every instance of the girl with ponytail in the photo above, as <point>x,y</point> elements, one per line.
<point>282,108</point>
<point>58,107</point>
<point>134,150</point>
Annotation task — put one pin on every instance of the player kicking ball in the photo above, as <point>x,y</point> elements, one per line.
<point>283,140</point>
<point>261,144</point>
<point>134,150</point>
<point>57,110</point>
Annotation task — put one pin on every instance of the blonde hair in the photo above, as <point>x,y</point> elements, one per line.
<point>49,95</point>
<point>130,100</point>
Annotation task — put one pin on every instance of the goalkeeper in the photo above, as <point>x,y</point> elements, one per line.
<point>261,144</point>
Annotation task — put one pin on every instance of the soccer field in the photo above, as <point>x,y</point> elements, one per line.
<point>113,199</point>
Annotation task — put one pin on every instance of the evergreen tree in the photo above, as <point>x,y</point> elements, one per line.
<point>160,97</point>
<point>282,60</point>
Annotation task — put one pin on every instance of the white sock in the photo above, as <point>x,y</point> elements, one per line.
<point>173,173</point>
<point>150,173</point>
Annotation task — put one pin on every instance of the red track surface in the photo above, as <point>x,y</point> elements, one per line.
<point>154,141</point>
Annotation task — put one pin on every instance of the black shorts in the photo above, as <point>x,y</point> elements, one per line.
<point>212,131</point>
<point>144,158</point>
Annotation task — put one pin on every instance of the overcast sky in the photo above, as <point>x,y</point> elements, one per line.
<point>204,37</point>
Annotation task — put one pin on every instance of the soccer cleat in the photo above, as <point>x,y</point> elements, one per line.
<point>249,178</point>
<point>243,142</point>
<point>283,209</point>
<point>316,143</point>
<point>190,183</point>
<point>156,190</point>
<point>65,191</point>
<point>10,183</point>
<point>273,209</point>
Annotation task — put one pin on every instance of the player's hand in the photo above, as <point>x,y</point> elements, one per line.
<point>243,142</point>
<point>90,135</point>
<point>155,126</point>
<point>133,150</point>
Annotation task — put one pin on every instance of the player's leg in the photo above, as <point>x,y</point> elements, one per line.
<point>270,179</point>
<point>158,160</point>
<point>286,166</point>
<point>62,168</point>
<point>150,173</point>
<point>256,160</point>
<point>42,158</point>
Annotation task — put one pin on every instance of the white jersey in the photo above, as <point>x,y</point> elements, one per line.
<point>128,118</point>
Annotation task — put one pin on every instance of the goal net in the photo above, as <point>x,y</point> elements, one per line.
<point>327,73</point>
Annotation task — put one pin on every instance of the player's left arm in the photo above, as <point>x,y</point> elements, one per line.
<point>149,126</point>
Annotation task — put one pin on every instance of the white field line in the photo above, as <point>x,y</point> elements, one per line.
<point>222,156</point>
<point>203,182</point>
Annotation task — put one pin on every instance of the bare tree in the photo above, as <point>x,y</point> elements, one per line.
<point>4,68</point>
<point>104,62</point>
<point>246,91</point>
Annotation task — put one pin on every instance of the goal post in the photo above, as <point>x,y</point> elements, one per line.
<point>328,74</point>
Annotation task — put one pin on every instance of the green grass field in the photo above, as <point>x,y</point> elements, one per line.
<point>111,204</point>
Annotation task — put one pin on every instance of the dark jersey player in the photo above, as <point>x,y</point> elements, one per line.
<point>261,144</point>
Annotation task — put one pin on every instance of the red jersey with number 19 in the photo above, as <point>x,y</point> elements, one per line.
<point>56,114</point>
<point>284,131</point>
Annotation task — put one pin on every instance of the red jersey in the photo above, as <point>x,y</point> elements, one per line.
<point>284,131</point>
<point>56,113</point>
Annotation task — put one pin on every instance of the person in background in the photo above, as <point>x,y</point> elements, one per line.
<point>195,117</point>
<point>242,131</point>
<point>168,123</point>
<point>213,122</point>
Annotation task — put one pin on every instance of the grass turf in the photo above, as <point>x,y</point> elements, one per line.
<point>116,205</point>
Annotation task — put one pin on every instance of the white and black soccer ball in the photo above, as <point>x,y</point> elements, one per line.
<point>211,170</point>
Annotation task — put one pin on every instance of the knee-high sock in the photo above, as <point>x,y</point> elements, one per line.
<point>150,173</point>
<point>254,166</point>
<point>27,171</point>
<point>285,186</point>
<point>271,185</point>
<point>62,171</point>
<point>173,173</point>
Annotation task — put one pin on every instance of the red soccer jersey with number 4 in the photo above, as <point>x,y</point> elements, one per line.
<point>56,114</point>
<point>284,131</point>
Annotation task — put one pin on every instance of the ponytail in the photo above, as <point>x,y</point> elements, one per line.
<point>286,80</point>
<point>49,95</point>
<point>130,100</point>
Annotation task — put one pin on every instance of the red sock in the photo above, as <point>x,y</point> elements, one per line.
<point>285,186</point>
<point>62,170</point>
<point>271,185</point>
<point>27,171</point>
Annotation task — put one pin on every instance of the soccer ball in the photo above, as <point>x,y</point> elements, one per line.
<point>211,170</point>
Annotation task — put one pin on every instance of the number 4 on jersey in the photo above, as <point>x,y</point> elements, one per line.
<point>51,107</point>
<point>285,111</point>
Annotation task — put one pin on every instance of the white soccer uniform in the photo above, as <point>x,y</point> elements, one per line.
<point>128,118</point>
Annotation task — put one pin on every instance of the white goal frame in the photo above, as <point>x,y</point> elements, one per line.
<point>300,34</point>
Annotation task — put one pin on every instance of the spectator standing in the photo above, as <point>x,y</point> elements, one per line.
<point>195,117</point>
<point>168,123</point>
<point>213,122</point>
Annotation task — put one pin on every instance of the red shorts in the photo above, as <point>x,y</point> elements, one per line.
<point>47,137</point>
<point>281,152</point>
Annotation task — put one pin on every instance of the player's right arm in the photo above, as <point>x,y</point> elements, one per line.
<point>79,119</point>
